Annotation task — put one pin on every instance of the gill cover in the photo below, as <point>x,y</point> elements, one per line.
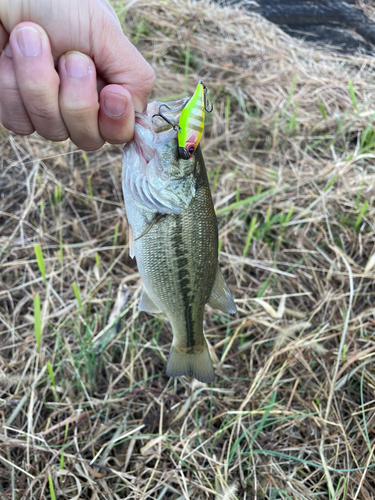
<point>191,123</point>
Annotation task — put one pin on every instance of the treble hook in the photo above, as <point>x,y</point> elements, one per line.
<point>173,125</point>
<point>207,105</point>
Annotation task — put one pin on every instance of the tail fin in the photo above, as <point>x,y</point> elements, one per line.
<point>199,365</point>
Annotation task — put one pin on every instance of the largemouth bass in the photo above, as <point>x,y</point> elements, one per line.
<point>174,237</point>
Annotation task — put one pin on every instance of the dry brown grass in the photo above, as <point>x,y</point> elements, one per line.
<point>292,412</point>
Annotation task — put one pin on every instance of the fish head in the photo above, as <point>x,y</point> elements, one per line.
<point>152,157</point>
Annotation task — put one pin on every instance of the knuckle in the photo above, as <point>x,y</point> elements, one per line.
<point>48,122</point>
<point>86,137</point>
<point>147,80</point>
<point>150,78</point>
<point>41,106</point>
<point>80,110</point>
<point>34,86</point>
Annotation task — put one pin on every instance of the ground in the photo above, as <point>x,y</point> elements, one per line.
<point>86,410</point>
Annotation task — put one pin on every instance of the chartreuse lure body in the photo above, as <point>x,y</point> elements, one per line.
<point>191,123</point>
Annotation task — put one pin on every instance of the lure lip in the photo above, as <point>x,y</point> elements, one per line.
<point>183,154</point>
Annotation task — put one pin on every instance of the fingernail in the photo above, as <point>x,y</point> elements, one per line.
<point>76,65</point>
<point>140,105</point>
<point>115,105</point>
<point>29,41</point>
<point>7,50</point>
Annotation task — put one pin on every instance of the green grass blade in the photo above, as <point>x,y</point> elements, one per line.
<point>37,322</point>
<point>40,260</point>
<point>368,441</point>
<point>245,202</point>
<point>341,480</point>
<point>51,374</point>
<point>115,236</point>
<point>257,430</point>
<point>288,215</point>
<point>90,189</point>
<point>249,235</point>
<point>264,418</point>
<point>51,487</point>
<point>264,287</point>
<point>220,246</point>
<point>352,95</point>
<point>294,83</point>
<point>322,108</point>
<point>275,494</point>
<point>227,110</point>
<point>58,194</point>
<point>77,294</point>
<point>97,261</point>
<point>61,251</point>
<point>331,182</point>
<point>307,462</point>
<point>62,459</point>
<point>361,215</point>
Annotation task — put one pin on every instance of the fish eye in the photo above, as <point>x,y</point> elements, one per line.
<point>191,150</point>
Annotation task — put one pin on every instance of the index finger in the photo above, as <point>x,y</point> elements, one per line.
<point>119,62</point>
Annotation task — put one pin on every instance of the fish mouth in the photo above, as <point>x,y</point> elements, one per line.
<point>141,153</point>
<point>143,120</point>
<point>148,137</point>
<point>143,137</point>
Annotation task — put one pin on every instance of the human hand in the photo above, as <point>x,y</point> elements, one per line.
<point>99,81</point>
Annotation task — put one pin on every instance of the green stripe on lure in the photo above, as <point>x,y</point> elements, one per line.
<point>191,122</point>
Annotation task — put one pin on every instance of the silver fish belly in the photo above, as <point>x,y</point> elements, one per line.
<point>175,241</point>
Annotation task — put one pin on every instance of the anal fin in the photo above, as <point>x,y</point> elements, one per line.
<point>221,297</point>
<point>146,303</point>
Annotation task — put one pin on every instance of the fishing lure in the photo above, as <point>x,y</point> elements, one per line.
<point>191,123</point>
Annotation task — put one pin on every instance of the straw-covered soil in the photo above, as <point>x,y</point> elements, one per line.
<point>289,147</point>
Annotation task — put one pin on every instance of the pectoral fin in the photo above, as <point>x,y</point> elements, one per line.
<point>146,303</point>
<point>158,218</point>
<point>221,297</point>
<point>131,242</point>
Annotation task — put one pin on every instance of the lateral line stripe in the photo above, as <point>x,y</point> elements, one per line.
<point>184,284</point>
